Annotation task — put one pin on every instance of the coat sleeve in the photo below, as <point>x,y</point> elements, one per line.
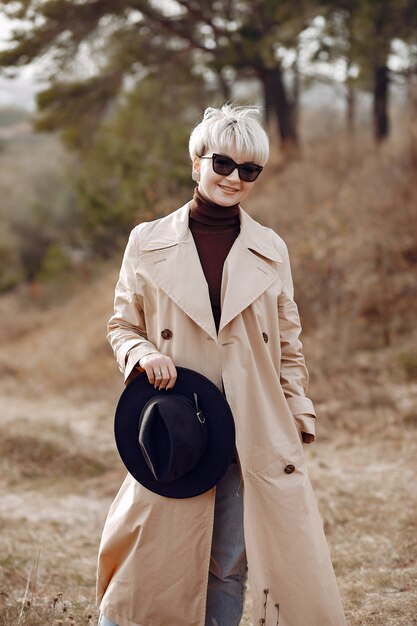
<point>126,328</point>
<point>294,375</point>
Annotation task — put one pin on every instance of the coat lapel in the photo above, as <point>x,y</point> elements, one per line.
<point>247,271</point>
<point>169,255</point>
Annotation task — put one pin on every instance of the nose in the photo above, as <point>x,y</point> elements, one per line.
<point>233,176</point>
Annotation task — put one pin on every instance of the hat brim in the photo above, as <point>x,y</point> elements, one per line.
<point>220,434</point>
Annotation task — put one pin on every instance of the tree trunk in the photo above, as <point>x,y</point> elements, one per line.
<point>381,122</point>
<point>412,115</point>
<point>295,112</point>
<point>351,91</point>
<point>224,85</point>
<point>277,106</point>
<point>350,108</point>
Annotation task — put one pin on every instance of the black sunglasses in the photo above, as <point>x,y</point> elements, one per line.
<point>224,166</point>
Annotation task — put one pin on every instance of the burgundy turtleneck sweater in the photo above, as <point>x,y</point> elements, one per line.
<point>214,228</point>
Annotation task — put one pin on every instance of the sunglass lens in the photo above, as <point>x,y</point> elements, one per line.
<point>249,172</point>
<point>223,165</point>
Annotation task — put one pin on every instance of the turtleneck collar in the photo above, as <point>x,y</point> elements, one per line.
<point>206,212</point>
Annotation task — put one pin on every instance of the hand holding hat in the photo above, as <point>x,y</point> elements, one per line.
<point>160,370</point>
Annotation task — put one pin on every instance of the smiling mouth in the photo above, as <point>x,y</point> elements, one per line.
<point>228,188</point>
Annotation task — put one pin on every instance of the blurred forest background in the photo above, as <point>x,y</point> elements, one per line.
<point>121,85</point>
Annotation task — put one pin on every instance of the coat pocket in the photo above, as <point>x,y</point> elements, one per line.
<point>279,473</point>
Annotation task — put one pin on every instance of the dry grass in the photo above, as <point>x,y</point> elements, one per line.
<point>59,383</point>
<point>30,456</point>
<point>363,486</point>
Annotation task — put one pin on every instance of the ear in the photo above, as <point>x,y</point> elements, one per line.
<point>196,163</point>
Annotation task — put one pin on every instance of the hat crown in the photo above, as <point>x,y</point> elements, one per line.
<point>172,436</point>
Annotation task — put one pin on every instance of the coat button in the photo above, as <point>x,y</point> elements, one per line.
<point>166,334</point>
<point>289,469</point>
<point>265,336</point>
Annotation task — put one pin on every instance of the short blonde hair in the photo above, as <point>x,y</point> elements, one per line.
<point>231,128</point>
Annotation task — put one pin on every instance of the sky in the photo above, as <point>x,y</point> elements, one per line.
<point>21,90</point>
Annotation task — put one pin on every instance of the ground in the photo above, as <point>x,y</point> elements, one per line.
<point>59,470</point>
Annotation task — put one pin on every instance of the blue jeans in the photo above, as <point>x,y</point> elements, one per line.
<point>227,575</point>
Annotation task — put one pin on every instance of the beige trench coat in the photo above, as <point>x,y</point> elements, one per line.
<point>155,551</point>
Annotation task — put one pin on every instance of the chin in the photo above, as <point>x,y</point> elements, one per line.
<point>227,200</point>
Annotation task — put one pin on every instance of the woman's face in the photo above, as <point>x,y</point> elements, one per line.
<point>222,190</point>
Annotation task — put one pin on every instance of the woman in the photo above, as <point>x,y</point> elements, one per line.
<point>210,289</point>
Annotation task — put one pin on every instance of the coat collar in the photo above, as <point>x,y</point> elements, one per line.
<point>173,229</point>
<point>169,255</point>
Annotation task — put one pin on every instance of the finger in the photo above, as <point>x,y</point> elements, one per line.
<point>163,380</point>
<point>172,375</point>
<point>150,373</point>
<point>157,374</point>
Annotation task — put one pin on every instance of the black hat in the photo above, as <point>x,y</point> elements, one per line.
<point>177,443</point>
